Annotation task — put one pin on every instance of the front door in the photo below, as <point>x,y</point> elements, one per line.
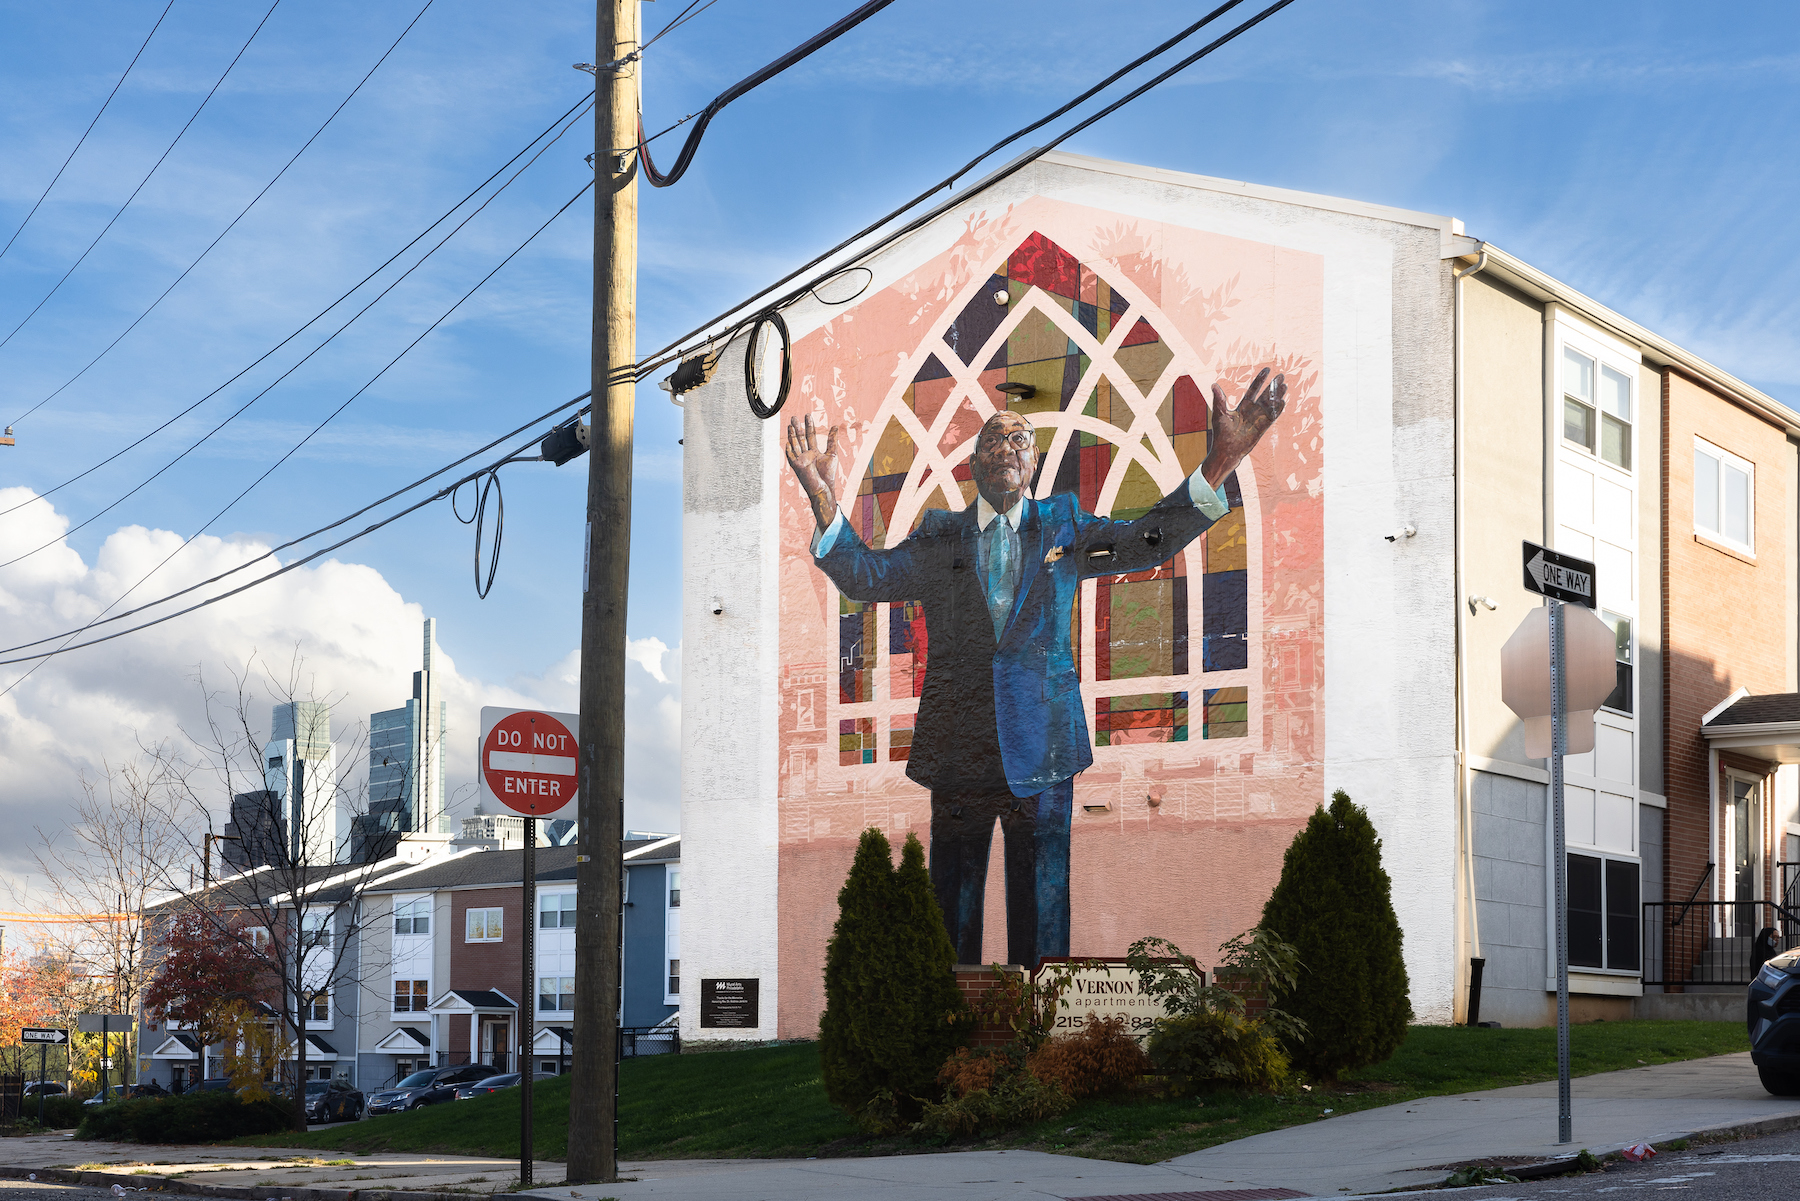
<point>493,1041</point>
<point>1743,832</point>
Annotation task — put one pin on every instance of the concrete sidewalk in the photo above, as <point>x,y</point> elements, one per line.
<point>1395,1147</point>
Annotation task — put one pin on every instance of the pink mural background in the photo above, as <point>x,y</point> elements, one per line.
<point>1181,822</point>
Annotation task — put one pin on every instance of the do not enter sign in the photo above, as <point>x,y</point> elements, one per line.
<point>528,760</point>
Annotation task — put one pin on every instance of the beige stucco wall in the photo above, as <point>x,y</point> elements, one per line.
<point>1503,493</point>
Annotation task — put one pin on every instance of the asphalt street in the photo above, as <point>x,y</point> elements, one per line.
<point>1760,1169</point>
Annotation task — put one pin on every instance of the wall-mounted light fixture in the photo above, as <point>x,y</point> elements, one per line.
<point>1405,531</point>
<point>1000,296</point>
<point>1022,391</point>
<point>1486,602</point>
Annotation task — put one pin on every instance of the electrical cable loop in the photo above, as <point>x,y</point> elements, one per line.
<point>488,482</point>
<point>768,317</point>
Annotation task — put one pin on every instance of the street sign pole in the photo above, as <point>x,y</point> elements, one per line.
<point>527,1018</point>
<point>1559,742</point>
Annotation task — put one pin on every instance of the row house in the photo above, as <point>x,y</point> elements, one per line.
<point>442,957</point>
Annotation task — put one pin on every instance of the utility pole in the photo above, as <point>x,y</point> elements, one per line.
<point>593,1101</point>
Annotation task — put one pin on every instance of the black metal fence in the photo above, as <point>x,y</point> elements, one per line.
<point>12,1089</point>
<point>649,1040</point>
<point>1700,944</point>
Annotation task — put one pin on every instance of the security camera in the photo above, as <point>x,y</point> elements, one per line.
<point>1485,602</point>
<point>1405,531</point>
<point>718,607</point>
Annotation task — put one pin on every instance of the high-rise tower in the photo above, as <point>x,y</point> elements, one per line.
<point>406,766</point>
<point>300,769</point>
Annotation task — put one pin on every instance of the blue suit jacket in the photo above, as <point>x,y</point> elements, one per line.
<point>1025,683</point>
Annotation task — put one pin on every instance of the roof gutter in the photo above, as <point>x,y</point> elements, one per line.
<point>1657,350</point>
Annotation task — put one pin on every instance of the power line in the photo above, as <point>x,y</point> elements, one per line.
<point>401,278</point>
<point>242,213</point>
<point>153,169</point>
<point>79,142</point>
<point>45,656</point>
<point>756,78</point>
<point>681,18</point>
<point>672,351</point>
<point>291,452</point>
<point>324,529</point>
<point>569,115</point>
<point>643,367</point>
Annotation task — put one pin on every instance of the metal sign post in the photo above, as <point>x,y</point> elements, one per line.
<point>1559,743</point>
<point>44,1038</point>
<point>527,763</point>
<point>527,1018</point>
<point>1577,651</point>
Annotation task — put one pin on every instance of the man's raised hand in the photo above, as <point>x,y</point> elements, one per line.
<point>817,469</point>
<point>1235,432</point>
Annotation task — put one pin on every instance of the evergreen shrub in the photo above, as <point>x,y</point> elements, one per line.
<point>207,1117</point>
<point>892,1008</point>
<point>1217,1048</point>
<point>1334,905</point>
<point>61,1111</point>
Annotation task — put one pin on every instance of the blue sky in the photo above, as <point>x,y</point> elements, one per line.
<point>1644,152</point>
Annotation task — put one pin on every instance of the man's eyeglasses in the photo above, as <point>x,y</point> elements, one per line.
<point>1017,439</point>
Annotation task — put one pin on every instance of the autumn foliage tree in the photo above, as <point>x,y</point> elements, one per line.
<point>208,974</point>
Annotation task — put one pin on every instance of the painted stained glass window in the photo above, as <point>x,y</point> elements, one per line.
<point>1111,405</point>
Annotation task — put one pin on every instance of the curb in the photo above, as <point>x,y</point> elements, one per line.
<point>168,1184</point>
<point>1732,1132</point>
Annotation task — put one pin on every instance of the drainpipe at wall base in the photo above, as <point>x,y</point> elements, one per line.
<point>1465,805</point>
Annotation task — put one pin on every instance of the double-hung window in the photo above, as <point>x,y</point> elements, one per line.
<point>1597,407</point>
<point>1603,913</point>
<point>1724,491</point>
<point>556,910</point>
<point>674,888</point>
<point>411,996</point>
<point>1621,696</point>
<point>556,994</point>
<point>412,916</point>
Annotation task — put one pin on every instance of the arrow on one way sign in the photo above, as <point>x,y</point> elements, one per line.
<point>1558,576</point>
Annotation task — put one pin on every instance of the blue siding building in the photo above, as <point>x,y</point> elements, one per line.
<point>652,942</point>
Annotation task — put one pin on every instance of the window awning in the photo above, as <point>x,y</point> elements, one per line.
<point>405,1040</point>
<point>178,1046</point>
<point>473,1000</point>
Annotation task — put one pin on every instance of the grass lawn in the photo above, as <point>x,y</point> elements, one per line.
<point>769,1101</point>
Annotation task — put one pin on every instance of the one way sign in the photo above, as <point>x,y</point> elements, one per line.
<point>1559,577</point>
<point>38,1034</point>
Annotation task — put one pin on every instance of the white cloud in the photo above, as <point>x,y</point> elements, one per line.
<point>358,637</point>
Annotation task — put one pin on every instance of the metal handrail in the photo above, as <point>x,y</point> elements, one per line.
<point>1689,904</point>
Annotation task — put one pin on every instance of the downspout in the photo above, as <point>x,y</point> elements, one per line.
<point>1465,804</point>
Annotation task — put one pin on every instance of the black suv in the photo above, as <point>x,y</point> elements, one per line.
<point>429,1087</point>
<point>1774,1020</point>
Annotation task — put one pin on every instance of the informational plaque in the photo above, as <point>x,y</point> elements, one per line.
<point>1104,988</point>
<point>729,1004</point>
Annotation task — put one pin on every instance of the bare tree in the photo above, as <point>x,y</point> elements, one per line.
<point>106,866</point>
<point>300,896</point>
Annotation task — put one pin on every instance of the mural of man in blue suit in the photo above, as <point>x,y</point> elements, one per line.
<point>1001,731</point>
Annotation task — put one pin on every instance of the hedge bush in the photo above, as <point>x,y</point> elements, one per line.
<point>1334,905</point>
<point>193,1118</point>
<point>1099,1061</point>
<point>1216,1050</point>
<point>61,1111</point>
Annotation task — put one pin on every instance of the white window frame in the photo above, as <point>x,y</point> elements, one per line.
<point>406,1015</point>
<point>1637,912</point>
<point>491,915</point>
<point>557,897</point>
<point>1726,459</point>
<point>559,994</point>
<point>416,907</point>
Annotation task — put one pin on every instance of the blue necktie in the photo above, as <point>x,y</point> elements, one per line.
<point>1002,583</point>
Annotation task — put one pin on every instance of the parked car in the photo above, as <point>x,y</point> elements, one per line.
<point>429,1087</point>
<point>117,1092</point>
<point>1773,1015</point>
<point>50,1088</point>
<point>213,1084</point>
<point>494,1084</point>
<point>332,1101</point>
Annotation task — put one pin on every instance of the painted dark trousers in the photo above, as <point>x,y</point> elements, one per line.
<point>1035,833</point>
